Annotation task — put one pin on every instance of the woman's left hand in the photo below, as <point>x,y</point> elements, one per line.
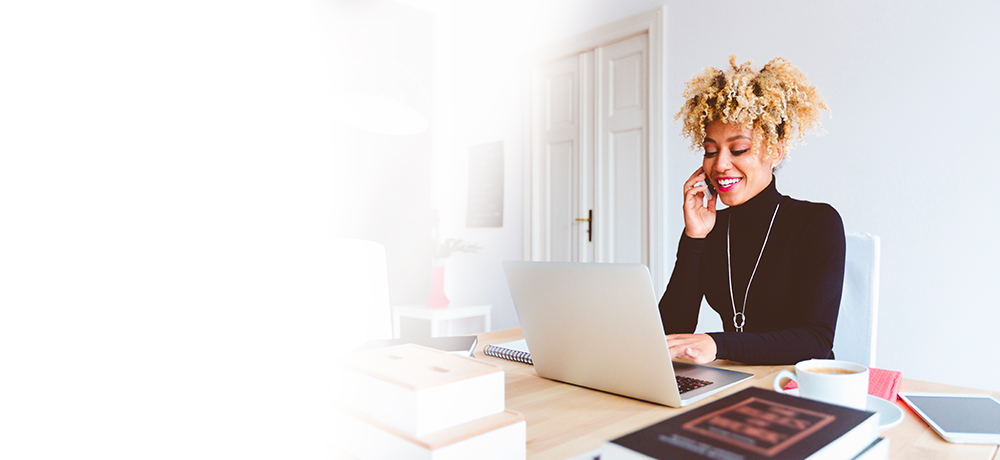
<point>699,348</point>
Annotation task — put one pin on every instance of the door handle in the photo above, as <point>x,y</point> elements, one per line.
<point>590,224</point>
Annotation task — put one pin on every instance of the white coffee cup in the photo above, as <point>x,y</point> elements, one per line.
<point>828,380</point>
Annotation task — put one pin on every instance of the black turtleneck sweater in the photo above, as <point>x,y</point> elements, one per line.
<point>791,309</point>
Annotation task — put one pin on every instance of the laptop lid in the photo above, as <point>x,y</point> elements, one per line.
<point>598,326</point>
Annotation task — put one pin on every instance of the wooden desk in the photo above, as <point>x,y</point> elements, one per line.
<point>567,421</point>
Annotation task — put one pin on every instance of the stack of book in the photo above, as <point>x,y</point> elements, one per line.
<point>413,402</point>
<point>757,424</point>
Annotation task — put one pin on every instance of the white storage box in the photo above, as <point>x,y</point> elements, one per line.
<point>418,390</point>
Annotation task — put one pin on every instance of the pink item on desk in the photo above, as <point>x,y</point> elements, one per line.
<point>881,383</point>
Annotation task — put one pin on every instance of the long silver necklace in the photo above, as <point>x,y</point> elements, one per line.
<point>740,317</point>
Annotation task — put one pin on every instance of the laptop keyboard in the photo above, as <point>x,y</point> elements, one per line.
<point>686,384</point>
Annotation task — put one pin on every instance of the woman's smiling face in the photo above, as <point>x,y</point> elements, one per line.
<point>730,163</point>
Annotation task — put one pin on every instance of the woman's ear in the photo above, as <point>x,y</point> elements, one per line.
<point>780,148</point>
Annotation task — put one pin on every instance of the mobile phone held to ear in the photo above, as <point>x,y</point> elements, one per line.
<point>711,188</point>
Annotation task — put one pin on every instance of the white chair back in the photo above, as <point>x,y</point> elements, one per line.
<point>857,322</point>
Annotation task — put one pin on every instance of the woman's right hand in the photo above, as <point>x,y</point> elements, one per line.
<point>699,218</point>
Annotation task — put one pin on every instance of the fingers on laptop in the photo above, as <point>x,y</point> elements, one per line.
<point>699,348</point>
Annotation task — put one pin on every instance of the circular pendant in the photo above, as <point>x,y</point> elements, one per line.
<point>739,319</point>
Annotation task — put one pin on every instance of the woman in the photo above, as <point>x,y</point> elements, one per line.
<point>770,265</point>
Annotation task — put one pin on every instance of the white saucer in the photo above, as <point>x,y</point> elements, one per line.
<point>889,414</point>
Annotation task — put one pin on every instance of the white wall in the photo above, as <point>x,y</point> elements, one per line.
<point>166,205</point>
<point>908,154</point>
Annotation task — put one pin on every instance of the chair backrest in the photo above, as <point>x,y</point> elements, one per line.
<point>858,319</point>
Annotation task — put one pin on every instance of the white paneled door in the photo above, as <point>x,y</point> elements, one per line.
<point>590,156</point>
<point>622,153</point>
<point>562,190</point>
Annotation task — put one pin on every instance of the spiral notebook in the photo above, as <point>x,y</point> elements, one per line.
<point>514,351</point>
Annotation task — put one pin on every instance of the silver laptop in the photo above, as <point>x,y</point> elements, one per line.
<point>598,326</point>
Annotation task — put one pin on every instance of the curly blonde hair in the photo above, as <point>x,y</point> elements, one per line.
<point>777,103</point>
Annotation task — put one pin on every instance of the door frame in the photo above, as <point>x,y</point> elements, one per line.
<point>653,24</point>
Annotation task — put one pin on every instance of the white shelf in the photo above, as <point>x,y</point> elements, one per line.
<point>439,317</point>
